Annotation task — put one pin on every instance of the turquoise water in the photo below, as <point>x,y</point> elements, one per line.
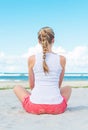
<point>24,76</point>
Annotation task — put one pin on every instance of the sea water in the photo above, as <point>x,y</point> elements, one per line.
<point>24,76</point>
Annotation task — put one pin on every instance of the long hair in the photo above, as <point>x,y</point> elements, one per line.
<point>45,36</point>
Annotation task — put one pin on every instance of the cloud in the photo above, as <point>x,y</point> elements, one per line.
<point>2,55</point>
<point>38,48</point>
<point>77,59</point>
<point>78,52</point>
<point>34,50</point>
<point>13,64</point>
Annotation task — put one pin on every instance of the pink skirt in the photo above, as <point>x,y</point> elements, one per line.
<point>44,108</point>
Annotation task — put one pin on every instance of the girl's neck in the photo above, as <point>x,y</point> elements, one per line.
<point>49,49</point>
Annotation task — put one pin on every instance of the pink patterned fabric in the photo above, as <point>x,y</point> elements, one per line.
<point>44,108</point>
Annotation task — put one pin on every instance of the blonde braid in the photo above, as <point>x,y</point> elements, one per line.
<point>45,36</point>
<point>45,50</point>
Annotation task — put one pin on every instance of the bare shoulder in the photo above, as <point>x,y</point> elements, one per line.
<point>62,60</point>
<point>31,59</point>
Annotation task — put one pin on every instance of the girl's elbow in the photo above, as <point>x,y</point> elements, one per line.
<point>31,86</point>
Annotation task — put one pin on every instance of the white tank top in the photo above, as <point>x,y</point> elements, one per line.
<point>46,89</point>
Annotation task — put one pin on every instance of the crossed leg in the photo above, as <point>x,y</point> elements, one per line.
<point>20,92</point>
<point>66,92</point>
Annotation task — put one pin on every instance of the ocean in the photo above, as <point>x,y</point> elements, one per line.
<point>24,77</point>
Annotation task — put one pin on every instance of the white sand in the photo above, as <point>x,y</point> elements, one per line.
<point>11,84</point>
<point>13,117</point>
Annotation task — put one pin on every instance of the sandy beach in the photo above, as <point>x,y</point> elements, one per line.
<point>14,117</point>
<point>11,84</point>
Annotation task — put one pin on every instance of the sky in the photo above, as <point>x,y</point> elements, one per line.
<point>20,20</point>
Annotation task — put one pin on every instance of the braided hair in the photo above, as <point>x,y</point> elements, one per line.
<point>45,36</point>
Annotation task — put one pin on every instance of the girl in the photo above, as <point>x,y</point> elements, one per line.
<point>46,72</point>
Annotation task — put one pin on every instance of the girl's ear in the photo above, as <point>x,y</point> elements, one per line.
<point>53,40</point>
<point>39,41</point>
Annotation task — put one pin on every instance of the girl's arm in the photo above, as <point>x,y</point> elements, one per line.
<point>63,63</point>
<point>30,72</point>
